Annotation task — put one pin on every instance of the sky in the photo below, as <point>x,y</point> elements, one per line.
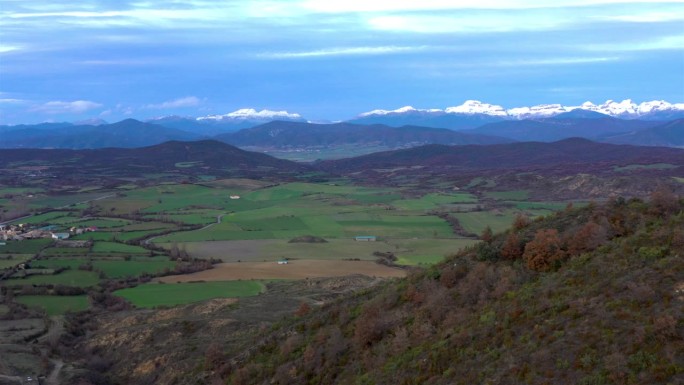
<point>329,59</point>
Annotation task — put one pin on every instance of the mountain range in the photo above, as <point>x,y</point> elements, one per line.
<point>649,123</point>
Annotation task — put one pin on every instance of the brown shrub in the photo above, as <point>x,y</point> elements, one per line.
<point>544,251</point>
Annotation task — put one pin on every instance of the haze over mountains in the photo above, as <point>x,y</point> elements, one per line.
<point>656,123</point>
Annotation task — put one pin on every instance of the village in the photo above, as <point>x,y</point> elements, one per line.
<point>20,232</point>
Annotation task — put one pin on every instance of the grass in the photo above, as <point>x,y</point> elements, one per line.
<point>156,294</point>
<point>416,260</point>
<point>113,247</point>
<point>432,201</point>
<point>55,305</point>
<point>654,166</point>
<point>476,221</point>
<point>16,259</point>
<point>75,278</point>
<point>133,268</point>
<point>514,195</point>
<point>29,246</point>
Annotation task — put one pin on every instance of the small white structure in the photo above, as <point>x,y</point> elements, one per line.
<point>234,197</point>
<point>283,262</point>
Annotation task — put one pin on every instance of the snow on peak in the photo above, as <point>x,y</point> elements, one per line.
<point>477,107</point>
<point>624,109</point>
<point>538,111</point>
<point>252,114</point>
<point>402,110</point>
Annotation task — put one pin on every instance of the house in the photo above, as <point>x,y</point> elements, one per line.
<point>283,262</point>
<point>365,238</point>
<point>60,235</point>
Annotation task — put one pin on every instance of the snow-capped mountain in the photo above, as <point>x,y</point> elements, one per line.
<point>626,109</point>
<point>252,114</point>
<point>217,124</point>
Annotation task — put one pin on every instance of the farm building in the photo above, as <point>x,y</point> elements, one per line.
<point>283,262</point>
<point>60,235</point>
<point>234,197</point>
<point>365,238</point>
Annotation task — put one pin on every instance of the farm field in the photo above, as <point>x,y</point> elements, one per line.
<point>55,305</point>
<point>477,221</point>
<point>113,268</point>
<point>335,249</point>
<point>75,278</point>
<point>151,295</point>
<point>297,269</point>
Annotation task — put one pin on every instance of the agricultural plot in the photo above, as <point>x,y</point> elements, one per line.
<point>477,221</point>
<point>29,246</point>
<point>514,195</point>
<point>300,269</point>
<point>112,268</point>
<point>75,278</point>
<point>11,260</point>
<point>117,248</point>
<point>434,201</point>
<point>159,294</point>
<point>55,305</point>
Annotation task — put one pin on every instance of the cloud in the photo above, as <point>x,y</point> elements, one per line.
<point>60,107</point>
<point>12,101</point>
<point>345,51</point>
<point>189,101</point>
<point>356,6</point>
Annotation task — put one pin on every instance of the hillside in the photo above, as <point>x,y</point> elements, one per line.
<point>586,296</point>
<point>300,134</point>
<point>173,160</point>
<point>667,134</point>
<point>573,154</point>
<point>578,123</point>
<point>127,133</point>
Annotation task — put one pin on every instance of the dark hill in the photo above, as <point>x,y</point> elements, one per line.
<point>429,119</point>
<point>127,133</point>
<point>568,153</point>
<point>184,159</point>
<point>562,127</point>
<point>298,134</point>
<point>668,134</point>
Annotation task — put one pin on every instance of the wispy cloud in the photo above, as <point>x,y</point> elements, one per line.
<point>662,43</point>
<point>345,51</point>
<point>345,6</point>
<point>189,101</point>
<point>61,107</point>
<point>12,101</point>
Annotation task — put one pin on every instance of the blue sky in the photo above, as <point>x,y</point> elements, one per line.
<point>329,59</point>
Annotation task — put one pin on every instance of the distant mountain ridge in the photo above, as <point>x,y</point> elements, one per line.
<point>524,155</point>
<point>626,109</point>
<point>300,134</point>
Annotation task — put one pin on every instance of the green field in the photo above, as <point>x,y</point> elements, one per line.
<point>16,259</point>
<point>113,247</point>
<point>114,268</point>
<point>477,221</point>
<point>514,195</point>
<point>157,294</point>
<point>29,246</point>
<point>654,166</point>
<point>55,305</point>
<point>75,278</point>
<point>433,201</point>
<point>419,260</point>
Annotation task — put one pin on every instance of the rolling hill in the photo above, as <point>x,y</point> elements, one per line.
<point>668,134</point>
<point>299,134</point>
<point>583,124</point>
<point>127,133</point>
<point>173,159</point>
<point>571,153</point>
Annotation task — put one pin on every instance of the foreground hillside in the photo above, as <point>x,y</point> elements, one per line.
<point>587,296</point>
